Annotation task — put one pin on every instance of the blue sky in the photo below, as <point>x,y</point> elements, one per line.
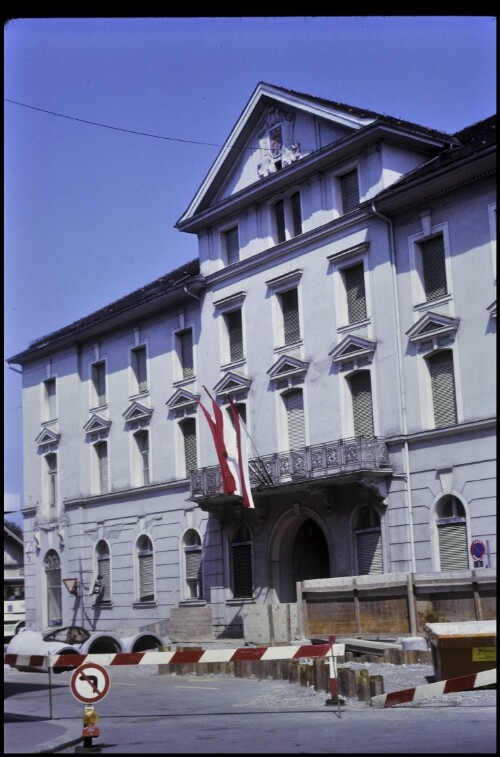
<point>90,211</point>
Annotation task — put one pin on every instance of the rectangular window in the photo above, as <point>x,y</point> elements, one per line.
<point>290,309</point>
<point>296,213</point>
<point>50,411</point>
<point>188,428</point>
<point>279,215</point>
<point>142,441</point>
<point>349,189</point>
<point>185,342</point>
<point>354,280</point>
<point>443,388</point>
<point>232,245</point>
<point>101,450</point>
<point>51,461</point>
<point>139,368</point>
<point>362,407</point>
<point>99,383</point>
<point>235,334</point>
<point>433,268</point>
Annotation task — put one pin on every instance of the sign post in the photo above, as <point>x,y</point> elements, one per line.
<point>89,684</point>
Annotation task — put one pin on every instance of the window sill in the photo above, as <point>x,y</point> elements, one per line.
<point>138,604</point>
<point>428,304</point>
<point>353,326</point>
<point>102,606</point>
<point>192,603</point>
<point>240,601</point>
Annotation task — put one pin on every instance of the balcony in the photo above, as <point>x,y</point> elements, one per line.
<point>341,459</point>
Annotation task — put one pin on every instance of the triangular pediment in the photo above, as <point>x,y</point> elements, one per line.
<point>96,423</point>
<point>136,411</point>
<point>433,328</point>
<point>353,349</point>
<point>276,129</point>
<point>492,309</point>
<point>47,436</point>
<point>232,383</point>
<point>181,398</point>
<point>288,367</point>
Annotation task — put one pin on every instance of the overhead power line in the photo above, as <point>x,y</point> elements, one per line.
<point>115,128</point>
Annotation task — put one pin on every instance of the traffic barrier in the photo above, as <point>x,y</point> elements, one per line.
<point>452,685</point>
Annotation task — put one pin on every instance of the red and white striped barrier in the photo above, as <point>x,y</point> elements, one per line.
<point>175,658</point>
<point>461,683</point>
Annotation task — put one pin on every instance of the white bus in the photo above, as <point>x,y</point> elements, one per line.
<point>14,612</point>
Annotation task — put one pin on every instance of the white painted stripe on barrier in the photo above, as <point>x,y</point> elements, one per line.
<point>449,686</point>
<point>101,659</point>
<point>486,678</point>
<point>156,658</point>
<point>279,653</point>
<point>217,655</point>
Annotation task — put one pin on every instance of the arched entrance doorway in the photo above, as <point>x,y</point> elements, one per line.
<point>300,553</point>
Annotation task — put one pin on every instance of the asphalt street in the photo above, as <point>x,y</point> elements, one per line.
<point>146,712</point>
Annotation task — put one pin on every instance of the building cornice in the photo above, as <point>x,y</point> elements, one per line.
<point>436,433</point>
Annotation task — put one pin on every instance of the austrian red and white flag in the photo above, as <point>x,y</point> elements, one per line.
<point>230,440</point>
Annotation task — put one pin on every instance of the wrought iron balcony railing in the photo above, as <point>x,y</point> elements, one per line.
<point>314,462</point>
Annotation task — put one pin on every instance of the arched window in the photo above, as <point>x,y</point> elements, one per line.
<point>145,569</point>
<point>192,565</point>
<point>103,559</point>
<point>362,405</point>
<point>452,534</point>
<point>241,562</point>
<point>52,565</point>
<point>369,543</point>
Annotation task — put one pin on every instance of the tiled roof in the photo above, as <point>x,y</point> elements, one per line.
<point>365,113</point>
<point>145,294</point>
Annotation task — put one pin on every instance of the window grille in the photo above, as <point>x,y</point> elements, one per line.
<point>104,570</point>
<point>362,408</point>
<point>140,369</point>
<point>349,189</point>
<point>102,461</point>
<point>52,566</point>
<point>188,428</point>
<point>232,241</point>
<point>296,213</point>
<point>146,569</point>
<point>290,310</point>
<point>433,267</point>
<point>241,553</point>
<point>186,353</point>
<point>99,381</point>
<point>294,404</point>
<point>50,397</point>
<point>235,334</point>
<point>354,278</point>
<point>279,215</point>
<point>443,388</point>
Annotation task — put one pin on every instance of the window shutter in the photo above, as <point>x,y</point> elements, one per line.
<point>232,245</point>
<point>294,403</point>
<point>433,267</point>
<point>146,577</point>
<point>102,456</point>
<point>235,333</point>
<point>186,345</point>
<point>453,546</point>
<point>189,433</point>
<point>141,370</point>
<point>193,565</point>
<point>362,404</point>
<point>242,570</point>
<point>54,588</point>
<point>290,307</point>
<point>354,278</point>
<point>350,191</point>
<point>100,383</point>
<point>296,213</point>
<point>104,570</point>
<point>443,388</point>
<point>279,212</point>
<point>369,544</point>
<point>50,388</point>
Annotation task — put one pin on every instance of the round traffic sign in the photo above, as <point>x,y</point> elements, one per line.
<point>90,683</point>
<point>478,549</point>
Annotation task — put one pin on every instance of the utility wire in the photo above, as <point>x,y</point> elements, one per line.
<point>115,128</point>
